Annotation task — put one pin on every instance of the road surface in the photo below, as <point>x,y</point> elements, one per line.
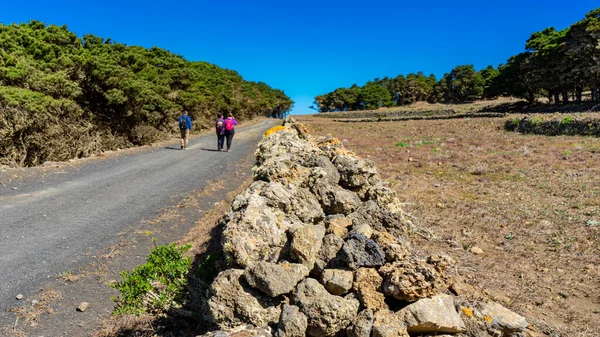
<point>55,223</point>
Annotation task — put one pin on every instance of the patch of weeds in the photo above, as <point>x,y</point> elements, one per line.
<point>436,150</point>
<point>595,211</point>
<point>68,276</point>
<point>157,285</point>
<point>567,153</point>
<point>593,223</point>
<point>402,144</point>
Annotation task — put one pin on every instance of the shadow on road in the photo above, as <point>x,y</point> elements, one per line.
<point>172,148</point>
<point>212,150</point>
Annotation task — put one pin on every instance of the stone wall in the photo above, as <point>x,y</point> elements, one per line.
<point>565,126</point>
<point>318,246</point>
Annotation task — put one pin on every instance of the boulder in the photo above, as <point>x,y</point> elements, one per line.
<point>414,279</point>
<point>258,233</point>
<point>387,324</point>
<point>332,244</point>
<point>367,285</point>
<point>363,229</point>
<point>335,199</point>
<point>380,218</point>
<point>292,322</point>
<point>396,249</point>
<point>502,319</point>
<point>331,146</point>
<point>355,172</point>
<point>432,316</point>
<point>360,251</point>
<point>275,279</point>
<point>327,314</point>
<point>233,304</point>
<point>337,281</point>
<point>362,325</point>
<point>306,243</point>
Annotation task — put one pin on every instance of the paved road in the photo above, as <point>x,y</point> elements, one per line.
<point>53,224</point>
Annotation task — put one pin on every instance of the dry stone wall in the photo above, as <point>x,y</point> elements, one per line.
<point>318,246</point>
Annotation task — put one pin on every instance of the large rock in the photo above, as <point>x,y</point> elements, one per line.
<point>362,325</point>
<point>414,279</point>
<point>294,201</point>
<point>292,322</point>
<point>387,324</point>
<point>335,199</point>
<point>233,304</point>
<point>367,285</point>
<point>355,172</point>
<point>306,243</point>
<point>258,233</point>
<point>327,314</point>
<point>360,251</point>
<point>331,146</point>
<point>331,175</point>
<point>396,249</point>
<point>503,319</point>
<point>432,315</point>
<point>380,219</point>
<point>275,279</point>
<point>337,281</point>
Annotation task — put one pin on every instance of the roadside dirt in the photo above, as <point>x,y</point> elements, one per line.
<point>530,203</point>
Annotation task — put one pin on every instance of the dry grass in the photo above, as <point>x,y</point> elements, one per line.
<point>518,197</point>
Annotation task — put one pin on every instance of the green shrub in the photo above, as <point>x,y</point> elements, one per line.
<point>535,121</point>
<point>567,120</point>
<point>157,285</point>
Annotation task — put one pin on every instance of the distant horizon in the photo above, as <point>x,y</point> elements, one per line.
<point>312,48</point>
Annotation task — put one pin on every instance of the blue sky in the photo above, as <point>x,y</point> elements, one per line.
<point>311,47</point>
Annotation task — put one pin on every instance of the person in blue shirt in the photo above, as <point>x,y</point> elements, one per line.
<point>185,124</point>
<point>220,128</point>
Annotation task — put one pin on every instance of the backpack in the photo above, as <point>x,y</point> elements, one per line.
<point>182,123</point>
<point>219,125</point>
<point>228,124</point>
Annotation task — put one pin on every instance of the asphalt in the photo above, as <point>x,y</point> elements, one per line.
<point>53,223</point>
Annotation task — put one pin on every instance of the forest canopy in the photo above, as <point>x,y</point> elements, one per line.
<point>62,96</point>
<point>556,65</point>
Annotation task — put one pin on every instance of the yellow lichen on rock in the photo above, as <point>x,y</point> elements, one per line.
<point>273,130</point>
<point>468,312</point>
<point>488,318</point>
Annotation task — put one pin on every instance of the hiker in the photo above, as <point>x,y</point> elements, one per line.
<point>230,122</point>
<point>220,128</point>
<point>185,124</point>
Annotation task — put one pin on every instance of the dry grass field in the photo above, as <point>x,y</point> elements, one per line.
<point>530,203</point>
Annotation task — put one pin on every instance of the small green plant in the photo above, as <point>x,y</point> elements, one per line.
<point>535,121</point>
<point>593,223</point>
<point>157,285</point>
<point>516,121</point>
<point>567,153</point>
<point>509,236</point>
<point>567,120</point>
<point>402,144</point>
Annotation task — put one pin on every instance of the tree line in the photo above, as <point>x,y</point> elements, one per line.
<point>95,94</point>
<point>557,65</point>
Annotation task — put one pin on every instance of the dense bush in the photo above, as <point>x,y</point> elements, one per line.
<point>62,96</point>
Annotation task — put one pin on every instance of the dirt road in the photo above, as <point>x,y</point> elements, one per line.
<point>53,224</point>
